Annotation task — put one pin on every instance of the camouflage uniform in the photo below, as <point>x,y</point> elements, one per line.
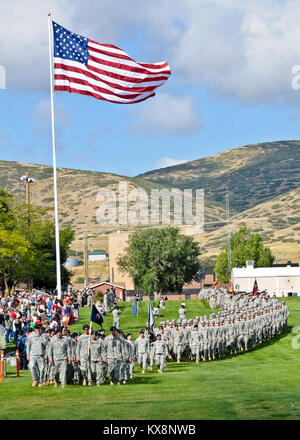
<point>113,347</point>
<point>60,355</point>
<point>36,350</point>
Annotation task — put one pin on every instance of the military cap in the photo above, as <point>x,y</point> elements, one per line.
<point>58,330</point>
<point>142,331</point>
<point>112,328</point>
<point>85,326</point>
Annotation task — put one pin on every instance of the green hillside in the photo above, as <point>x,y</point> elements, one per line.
<point>252,173</point>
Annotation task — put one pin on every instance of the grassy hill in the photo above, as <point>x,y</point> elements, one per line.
<point>253,173</point>
<point>277,220</point>
<point>77,191</point>
<point>263,182</point>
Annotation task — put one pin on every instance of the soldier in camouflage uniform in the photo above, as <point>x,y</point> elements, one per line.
<point>82,353</point>
<point>114,354</point>
<point>75,364</point>
<point>195,343</point>
<point>177,342</point>
<point>96,355</point>
<point>60,357</point>
<point>133,355</point>
<point>36,355</point>
<point>142,349</point>
<point>160,353</point>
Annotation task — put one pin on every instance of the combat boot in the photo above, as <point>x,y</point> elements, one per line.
<point>34,383</point>
<point>143,371</point>
<point>55,384</point>
<point>84,382</point>
<point>90,383</point>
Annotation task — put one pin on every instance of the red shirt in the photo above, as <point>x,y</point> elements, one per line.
<point>13,315</point>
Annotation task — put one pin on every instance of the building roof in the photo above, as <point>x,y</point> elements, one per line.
<point>250,271</point>
<point>106,282</point>
<point>97,253</point>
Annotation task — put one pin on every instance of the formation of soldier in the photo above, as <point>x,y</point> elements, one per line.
<point>245,321</point>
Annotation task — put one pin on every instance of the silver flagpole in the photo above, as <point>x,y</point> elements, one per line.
<point>58,277</point>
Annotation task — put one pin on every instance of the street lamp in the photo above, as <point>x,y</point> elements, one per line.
<point>28,180</point>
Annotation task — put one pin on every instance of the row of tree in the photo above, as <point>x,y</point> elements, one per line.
<point>27,245</point>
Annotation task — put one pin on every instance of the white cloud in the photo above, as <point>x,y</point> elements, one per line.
<point>241,50</point>
<point>166,114</point>
<point>164,162</point>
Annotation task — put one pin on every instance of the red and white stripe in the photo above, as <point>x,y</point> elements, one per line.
<point>110,75</point>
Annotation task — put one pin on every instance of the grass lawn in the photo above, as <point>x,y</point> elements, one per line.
<point>263,383</point>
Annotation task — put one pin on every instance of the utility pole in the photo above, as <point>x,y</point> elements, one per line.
<point>228,236</point>
<point>85,258</point>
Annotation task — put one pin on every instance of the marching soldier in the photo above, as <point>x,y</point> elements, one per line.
<point>142,348</point>
<point>182,312</point>
<point>82,353</point>
<point>113,347</point>
<point>36,354</point>
<point>195,343</point>
<point>133,355</point>
<point>97,353</point>
<point>60,357</point>
<point>177,343</point>
<point>160,353</point>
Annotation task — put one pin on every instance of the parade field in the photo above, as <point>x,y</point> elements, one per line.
<point>262,383</point>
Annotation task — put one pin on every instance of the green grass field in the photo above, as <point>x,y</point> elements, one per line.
<point>263,383</point>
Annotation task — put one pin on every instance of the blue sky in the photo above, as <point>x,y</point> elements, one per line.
<point>230,85</point>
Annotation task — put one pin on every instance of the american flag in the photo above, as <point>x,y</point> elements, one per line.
<point>102,70</point>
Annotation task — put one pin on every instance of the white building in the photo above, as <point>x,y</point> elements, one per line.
<point>96,255</point>
<point>281,281</point>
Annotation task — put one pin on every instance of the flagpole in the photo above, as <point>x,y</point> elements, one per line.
<point>90,332</point>
<point>58,275</point>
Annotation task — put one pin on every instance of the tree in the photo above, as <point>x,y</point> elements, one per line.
<point>245,245</point>
<point>27,248</point>
<point>15,255</point>
<point>160,260</point>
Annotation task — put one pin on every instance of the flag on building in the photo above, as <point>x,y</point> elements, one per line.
<point>103,71</point>
<point>96,316</point>
<point>255,288</point>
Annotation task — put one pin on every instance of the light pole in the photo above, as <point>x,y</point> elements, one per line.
<point>28,180</point>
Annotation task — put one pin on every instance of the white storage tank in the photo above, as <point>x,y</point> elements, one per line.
<point>72,262</point>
